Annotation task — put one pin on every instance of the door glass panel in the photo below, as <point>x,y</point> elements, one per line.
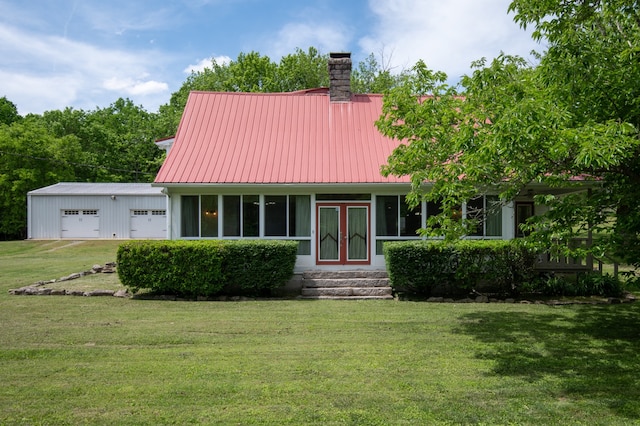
<point>357,233</point>
<point>329,220</point>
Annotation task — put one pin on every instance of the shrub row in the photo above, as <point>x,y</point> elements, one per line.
<point>206,268</point>
<point>585,284</point>
<point>436,268</point>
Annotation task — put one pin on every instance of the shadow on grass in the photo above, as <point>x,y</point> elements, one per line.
<point>590,352</point>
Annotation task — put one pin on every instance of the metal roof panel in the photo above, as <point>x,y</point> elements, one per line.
<point>298,137</point>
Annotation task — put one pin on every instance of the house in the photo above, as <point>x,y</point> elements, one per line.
<point>97,210</point>
<point>302,166</point>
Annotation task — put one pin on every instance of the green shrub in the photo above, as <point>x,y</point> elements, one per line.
<point>206,268</point>
<point>438,268</point>
<point>585,284</point>
<point>255,267</point>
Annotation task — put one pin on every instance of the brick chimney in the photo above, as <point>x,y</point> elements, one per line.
<point>340,77</point>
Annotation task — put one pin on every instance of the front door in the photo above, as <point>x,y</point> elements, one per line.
<point>342,232</point>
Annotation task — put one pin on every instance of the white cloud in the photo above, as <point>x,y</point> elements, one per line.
<point>49,72</point>
<point>326,37</point>
<point>206,63</point>
<point>135,87</point>
<point>447,35</point>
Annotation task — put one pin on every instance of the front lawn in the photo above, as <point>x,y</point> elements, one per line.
<point>104,360</point>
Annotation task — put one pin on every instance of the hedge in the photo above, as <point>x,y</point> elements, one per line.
<point>206,268</point>
<point>436,268</point>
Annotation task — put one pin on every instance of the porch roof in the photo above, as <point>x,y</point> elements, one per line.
<point>278,138</point>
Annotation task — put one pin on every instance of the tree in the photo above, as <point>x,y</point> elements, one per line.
<point>302,70</point>
<point>370,77</point>
<point>117,141</point>
<point>509,124</point>
<point>8,111</point>
<point>252,72</point>
<point>30,157</point>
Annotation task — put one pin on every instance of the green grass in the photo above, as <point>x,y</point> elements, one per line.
<point>102,360</point>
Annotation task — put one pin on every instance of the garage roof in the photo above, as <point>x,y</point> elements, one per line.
<point>86,188</point>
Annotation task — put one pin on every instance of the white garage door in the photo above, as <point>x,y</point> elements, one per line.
<point>148,224</point>
<point>80,224</point>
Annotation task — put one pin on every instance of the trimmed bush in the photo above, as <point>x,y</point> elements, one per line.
<point>436,268</point>
<point>256,267</point>
<point>206,268</point>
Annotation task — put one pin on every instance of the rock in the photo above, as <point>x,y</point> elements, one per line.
<point>121,293</point>
<point>58,292</point>
<point>509,300</point>
<point>74,293</point>
<point>614,300</point>
<point>482,299</point>
<point>97,268</point>
<point>99,293</point>
<point>71,277</point>
<point>436,299</point>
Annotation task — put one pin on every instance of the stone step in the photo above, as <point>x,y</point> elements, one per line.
<point>346,282</point>
<point>347,291</point>
<point>388,297</point>
<point>344,274</point>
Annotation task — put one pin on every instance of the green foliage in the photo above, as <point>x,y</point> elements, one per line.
<point>206,268</point>
<point>252,72</point>
<point>511,124</point>
<point>256,267</point>
<point>586,284</point>
<point>30,158</point>
<point>8,111</point>
<point>117,141</point>
<point>437,267</point>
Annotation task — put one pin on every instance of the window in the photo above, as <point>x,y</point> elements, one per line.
<point>289,216</point>
<point>140,212</point>
<point>241,215</point>
<point>394,217</point>
<point>285,216</point>
<point>209,216</point>
<point>90,212</point>
<point>71,212</point>
<point>189,208</point>
<point>231,210</point>
<point>487,211</point>
<point>395,220</point>
<point>410,219</point>
<point>275,215</point>
<point>158,212</point>
<point>250,215</point>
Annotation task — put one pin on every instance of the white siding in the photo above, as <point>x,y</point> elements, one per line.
<point>45,213</point>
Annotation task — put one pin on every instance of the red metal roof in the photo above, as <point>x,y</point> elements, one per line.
<point>267,138</point>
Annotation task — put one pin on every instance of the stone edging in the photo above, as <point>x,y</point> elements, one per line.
<point>627,298</point>
<point>38,288</point>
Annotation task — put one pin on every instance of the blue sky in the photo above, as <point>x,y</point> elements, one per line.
<point>88,53</point>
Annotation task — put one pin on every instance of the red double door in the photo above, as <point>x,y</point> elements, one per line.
<point>343,233</point>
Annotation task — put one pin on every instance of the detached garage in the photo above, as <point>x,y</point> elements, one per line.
<point>97,210</point>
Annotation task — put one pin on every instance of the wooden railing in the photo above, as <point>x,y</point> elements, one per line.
<point>568,264</point>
